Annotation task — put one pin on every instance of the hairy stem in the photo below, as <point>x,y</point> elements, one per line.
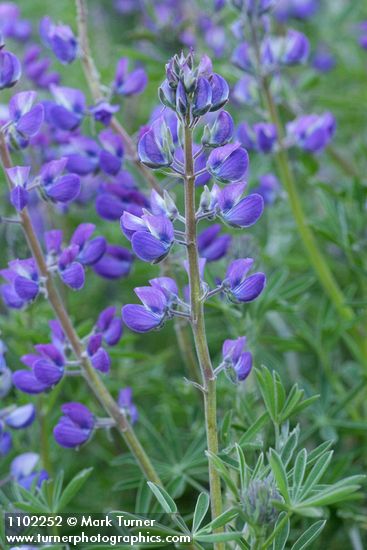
<point>198,327</point>
<point>355,339</point>
<point>94,381</point>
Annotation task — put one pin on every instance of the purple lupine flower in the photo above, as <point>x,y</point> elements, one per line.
<point>109,326</point>
<point>25,381</point>
<point>60,39</point>
<point>10,69</point>
<point>20,417</point>
<point>238,286</point>
<point>19,178</point>
<point>155,147</point>
<point>220,132</point>
<point>151,236</point>
<point>83,157</point>
<point>266,136</point>
<point>98,355</point>
<point>126,83</point>
<point>211,245</point>
<point>103,112</point>
<point>23,471</point>
<point>25,118</point>
<point>262,137</point>
<point>268,188</point>
<point>235,211</point>
<point>312,132</point>
<point>245,91</point>
<point>363,37</point>
<point>6,442</point>
<point>151,315</point>
<point>71,271</point>
<point>75,427</point>
<point>126,404</point>
<point>299,9</point>
<point>242,57</point>
<point>11,26</point>
<point>22,283</point>
<point>168,286</point>
<point>323,60</point>
<point>228,163</point>
<point>291,49</point>
<point>116,198</point>
<point>115,263</point>
<point>36,68</point>
<point>47,369</point>
<point>246,136</point>
<point>69,108</point>
<point>57,187</point>
<point>89,250</point>
<point>234,357</point>
<point>111,155</point>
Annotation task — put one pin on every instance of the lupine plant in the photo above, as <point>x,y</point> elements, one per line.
<point>182,328</point>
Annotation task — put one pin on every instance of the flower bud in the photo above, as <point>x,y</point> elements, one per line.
<point>202,100</point>
<point>257,502</point>
<point>167,95</point>
<point>155,147</point>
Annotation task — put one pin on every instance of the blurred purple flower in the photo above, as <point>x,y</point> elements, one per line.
<point>75,427</point>
<point>22,283</point>
<point>126,83</point>
<point>211,245</point>
<point>23,471</point>
<point>126,404</point>
<point>10,69</point>
<point>60,39</point>
<point>115,263</point>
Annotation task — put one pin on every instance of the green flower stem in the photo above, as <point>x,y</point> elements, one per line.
<point>355,339</point>
<point>198,327</point>
<point>94,381</point>
<point>320,266</point>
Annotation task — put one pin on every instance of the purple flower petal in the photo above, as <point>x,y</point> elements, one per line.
<point>25,381</point>
<point>21,417</point>
<point>250,288</point>
<point>148,248</point>
<point>101,361</point>
<point>65,189</point>
<point>139,319</point>
<point>246,212</point>
<point>30,123</point>
<point>73,276</point>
